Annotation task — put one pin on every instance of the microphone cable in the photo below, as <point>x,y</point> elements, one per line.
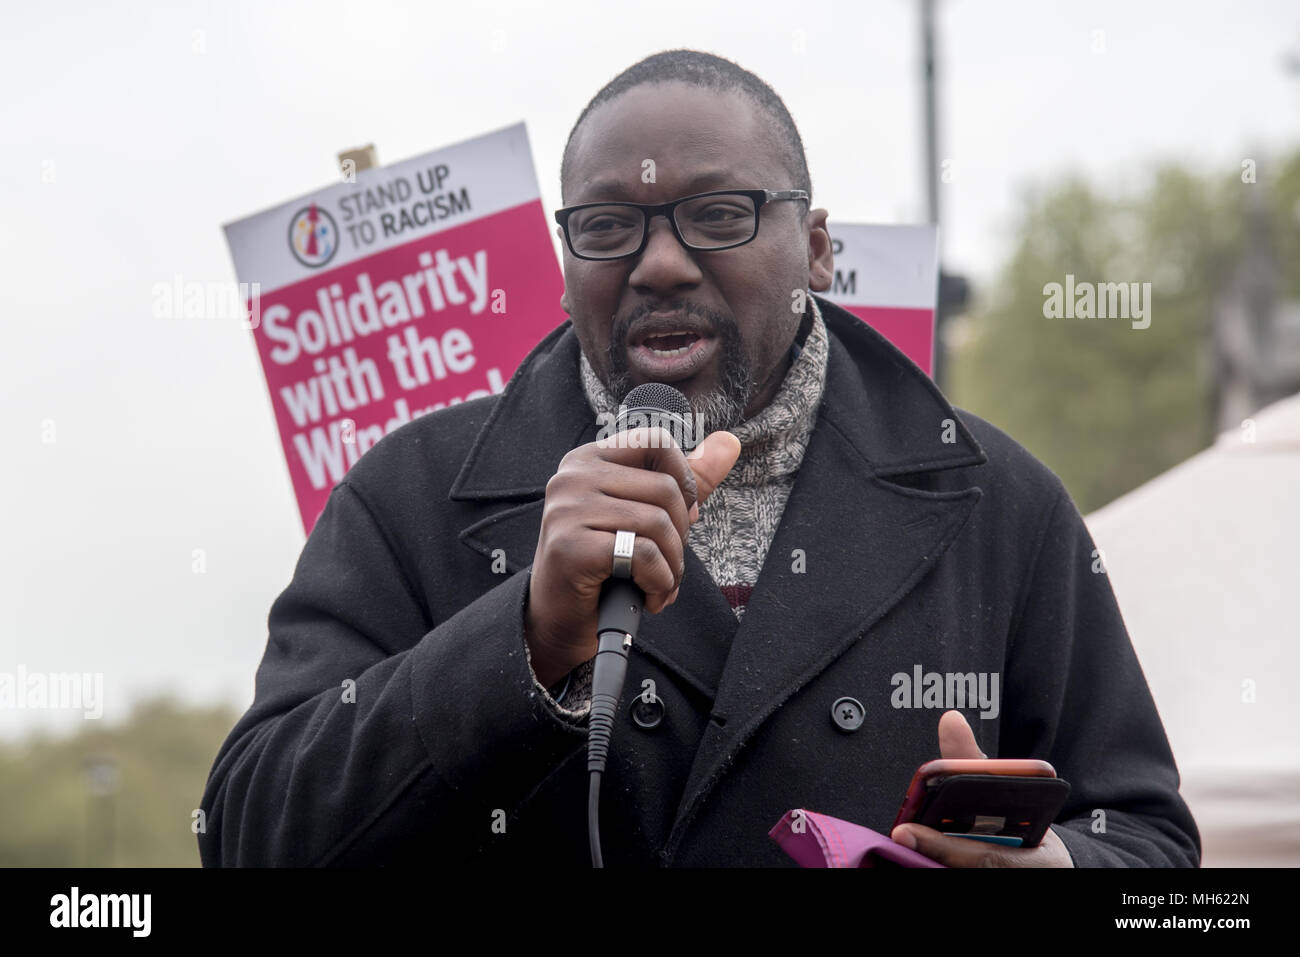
<point>607,678</point>
<point>621,601</point>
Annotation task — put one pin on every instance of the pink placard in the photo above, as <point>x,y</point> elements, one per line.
<point>912,330</point>
<point>888,277</point>
<point>457,282</point>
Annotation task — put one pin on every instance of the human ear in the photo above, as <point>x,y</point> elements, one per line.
<point>821,261</point>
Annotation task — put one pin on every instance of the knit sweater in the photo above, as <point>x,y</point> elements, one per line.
<point>737,522</point>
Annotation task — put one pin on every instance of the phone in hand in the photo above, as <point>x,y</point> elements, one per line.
<point>1009,801</point>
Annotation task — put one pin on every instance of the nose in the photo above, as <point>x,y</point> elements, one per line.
<point>665,265</point>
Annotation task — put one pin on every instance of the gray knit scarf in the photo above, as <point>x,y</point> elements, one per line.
<point>739,519</point>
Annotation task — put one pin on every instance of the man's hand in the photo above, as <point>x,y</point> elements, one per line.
<point>636,480</point>
<point>956,740</point>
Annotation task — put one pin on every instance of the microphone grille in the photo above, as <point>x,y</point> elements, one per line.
<point>658,396</point>
<point>657,404</point>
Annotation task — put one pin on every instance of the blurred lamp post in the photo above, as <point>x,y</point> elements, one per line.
<point>102,780</point>
<point>953,289</point>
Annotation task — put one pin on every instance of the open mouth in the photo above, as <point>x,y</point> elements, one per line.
<point>671,357</point>
<point>672,344</point>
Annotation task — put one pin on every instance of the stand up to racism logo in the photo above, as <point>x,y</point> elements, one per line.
<point>313,236</point>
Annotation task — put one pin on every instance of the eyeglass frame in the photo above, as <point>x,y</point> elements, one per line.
<point>760,198</point>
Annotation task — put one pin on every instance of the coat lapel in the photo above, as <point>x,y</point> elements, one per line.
<point>865,541</point>
<point>540,416</point>
<point>543,414</point>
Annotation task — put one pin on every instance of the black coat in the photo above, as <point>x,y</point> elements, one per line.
<point>928,538</point>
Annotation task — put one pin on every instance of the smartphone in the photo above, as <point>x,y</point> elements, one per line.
<point>1008,801</point>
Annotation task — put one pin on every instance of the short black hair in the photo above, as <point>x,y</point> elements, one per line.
<point>712,73</point>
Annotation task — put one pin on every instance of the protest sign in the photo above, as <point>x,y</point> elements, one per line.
<point>888,276</point>
<point>415,286</point>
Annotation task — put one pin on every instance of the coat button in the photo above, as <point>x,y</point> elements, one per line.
<point>847,713</point>
<point>647,714</point>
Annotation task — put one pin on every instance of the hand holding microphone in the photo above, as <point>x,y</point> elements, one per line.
<point>640,483</point>
<point>612,543</point>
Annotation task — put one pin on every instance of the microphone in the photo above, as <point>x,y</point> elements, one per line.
<point>621,600</point>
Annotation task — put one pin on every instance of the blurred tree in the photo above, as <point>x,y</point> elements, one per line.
<point>1104,405</point>
<point>54,813</point>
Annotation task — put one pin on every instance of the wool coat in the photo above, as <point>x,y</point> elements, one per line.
<point>395,719</point>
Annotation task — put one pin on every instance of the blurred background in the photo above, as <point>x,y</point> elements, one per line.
<point>146,513</point>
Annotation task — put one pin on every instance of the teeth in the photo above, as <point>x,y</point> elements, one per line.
<point>680,350</point>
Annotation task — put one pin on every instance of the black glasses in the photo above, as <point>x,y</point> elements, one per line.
<point>722,219</point>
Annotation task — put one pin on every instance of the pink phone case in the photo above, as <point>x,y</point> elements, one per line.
<point>819,840</point>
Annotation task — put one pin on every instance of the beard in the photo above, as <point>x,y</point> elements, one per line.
<point>722,408</point>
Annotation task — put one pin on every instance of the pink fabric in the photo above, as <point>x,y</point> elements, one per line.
<point>818,840</point>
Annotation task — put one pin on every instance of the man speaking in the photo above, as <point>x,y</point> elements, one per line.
<point>841,531</point>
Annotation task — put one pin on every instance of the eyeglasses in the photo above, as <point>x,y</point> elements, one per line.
<point>722,219</point>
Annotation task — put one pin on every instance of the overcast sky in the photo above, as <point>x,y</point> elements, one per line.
<point>130,133</point>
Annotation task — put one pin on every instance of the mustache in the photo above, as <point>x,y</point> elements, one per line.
<point>721,324</point>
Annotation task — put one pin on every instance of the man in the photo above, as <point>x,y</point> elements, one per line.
<point>842,528</point>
